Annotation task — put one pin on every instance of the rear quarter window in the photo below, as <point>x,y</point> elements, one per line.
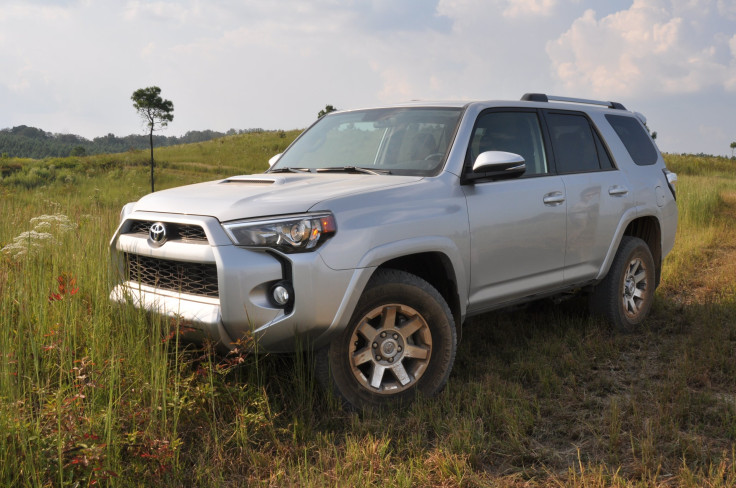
<point>635,138</point>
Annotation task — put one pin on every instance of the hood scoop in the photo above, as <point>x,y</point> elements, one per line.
<point>254,180</point>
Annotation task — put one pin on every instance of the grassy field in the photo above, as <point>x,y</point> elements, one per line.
<point>93,394</point>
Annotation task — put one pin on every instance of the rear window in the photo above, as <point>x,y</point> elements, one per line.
<point>635,139</point>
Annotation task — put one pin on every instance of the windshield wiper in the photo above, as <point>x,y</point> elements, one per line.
<point>289,169</point>
<point>355,169</point>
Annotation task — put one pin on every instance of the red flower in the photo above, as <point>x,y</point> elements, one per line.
<point>67,286</point>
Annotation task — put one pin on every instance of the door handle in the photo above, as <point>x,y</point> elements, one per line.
<point>553,199</point>
<point>618,191</point>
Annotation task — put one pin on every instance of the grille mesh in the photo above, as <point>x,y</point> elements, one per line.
<point>183,232</point>
<point>192,278</point>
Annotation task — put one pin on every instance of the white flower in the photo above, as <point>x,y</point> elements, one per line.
<point>44,227</point>
<point>58,221</point>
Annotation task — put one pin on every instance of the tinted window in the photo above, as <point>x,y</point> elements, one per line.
<point>603,157</point>
<point>635,138</point>
<point>574,144</point>
<point>514,132</point>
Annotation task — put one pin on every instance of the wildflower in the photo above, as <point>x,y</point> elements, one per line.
<point>45,228</point>
<point>27,241</point>
<point>66,286</point>
<point>56,221</point>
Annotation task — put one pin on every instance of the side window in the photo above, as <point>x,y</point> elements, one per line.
<point>605,159</point>
<point>576,145</point>
<point>635,139</point>
<point>514,132</point>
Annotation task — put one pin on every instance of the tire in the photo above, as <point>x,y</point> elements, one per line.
<point>400,342</point>
<point>626,294</point>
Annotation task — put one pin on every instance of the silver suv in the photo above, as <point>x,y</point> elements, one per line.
<point>379,231</point>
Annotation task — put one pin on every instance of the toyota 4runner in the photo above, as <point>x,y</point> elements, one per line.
<point>379,231</point>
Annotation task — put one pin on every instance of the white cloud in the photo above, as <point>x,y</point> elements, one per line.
<point>160,11</point>
<point>727,8</point>
<point>27,78</point>
<point>274,64</point>
<point>521,8</point>
<point>396,85</point>
<point>730,83</point>
<point>16,11</point>
<point>642,50</point>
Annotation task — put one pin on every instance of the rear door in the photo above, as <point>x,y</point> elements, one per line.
<point>597,193</point>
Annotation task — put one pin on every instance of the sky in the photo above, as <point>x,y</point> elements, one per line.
<point>70,66</point>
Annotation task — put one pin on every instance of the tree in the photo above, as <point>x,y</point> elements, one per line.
<point>733,146</point>
<point>155,112</point>
<point>78,151</point>
<point>325,111</point>
<point>653,135</point>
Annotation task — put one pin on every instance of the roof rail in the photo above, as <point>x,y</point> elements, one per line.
<point>541,97</point>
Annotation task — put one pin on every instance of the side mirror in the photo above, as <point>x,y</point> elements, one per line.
<point>273,159</point>
<point>497,165</point>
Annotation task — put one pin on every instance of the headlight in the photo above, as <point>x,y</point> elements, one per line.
<point>292,233</point>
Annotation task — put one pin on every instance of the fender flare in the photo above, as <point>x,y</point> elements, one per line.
<point>376,256</point>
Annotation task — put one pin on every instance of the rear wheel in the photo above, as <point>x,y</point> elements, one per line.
<point>400,341</point>
<point>626,294</point>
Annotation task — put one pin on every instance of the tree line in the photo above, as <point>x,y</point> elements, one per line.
<point>30,142</point>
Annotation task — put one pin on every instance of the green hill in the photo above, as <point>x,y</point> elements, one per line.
<point>30,142</point>
<point>180,164</point>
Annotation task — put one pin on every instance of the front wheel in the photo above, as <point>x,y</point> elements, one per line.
<point>626,294</point>
<point>400,341</point>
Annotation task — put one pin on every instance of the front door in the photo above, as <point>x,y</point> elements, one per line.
<point>518,226</point>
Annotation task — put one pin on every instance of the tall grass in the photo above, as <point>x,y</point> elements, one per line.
<point>93,393</point>
<point>706,193</point>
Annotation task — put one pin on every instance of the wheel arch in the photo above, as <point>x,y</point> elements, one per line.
<point>646,228</point>
<point>436,269</point>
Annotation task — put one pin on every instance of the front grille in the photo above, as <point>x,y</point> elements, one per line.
<point>182,232</point>
<point>192,278</point>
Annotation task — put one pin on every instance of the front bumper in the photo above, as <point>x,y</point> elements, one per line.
<point>321,303</point>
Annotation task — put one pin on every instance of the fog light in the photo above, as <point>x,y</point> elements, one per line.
<point>281,295</point>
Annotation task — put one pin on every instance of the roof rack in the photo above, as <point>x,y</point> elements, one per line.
<point>541,97</point>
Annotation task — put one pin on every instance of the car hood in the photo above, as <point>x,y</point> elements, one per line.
<point>249,196</point>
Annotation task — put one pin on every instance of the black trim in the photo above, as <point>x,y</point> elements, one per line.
<point>287,276</point>
<point>534,97</point>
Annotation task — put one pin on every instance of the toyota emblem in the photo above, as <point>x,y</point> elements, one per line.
<point>157,234</point>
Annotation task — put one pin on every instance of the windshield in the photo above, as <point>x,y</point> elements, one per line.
<point>409,141</point>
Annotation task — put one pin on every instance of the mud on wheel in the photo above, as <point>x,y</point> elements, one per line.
<point>400,341</point>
